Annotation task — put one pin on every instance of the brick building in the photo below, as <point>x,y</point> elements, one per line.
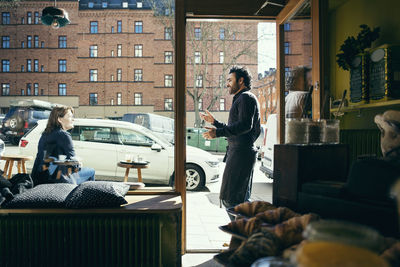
<point>116,57</point>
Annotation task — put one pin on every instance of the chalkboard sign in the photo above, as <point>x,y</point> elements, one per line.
<point>359,79</point>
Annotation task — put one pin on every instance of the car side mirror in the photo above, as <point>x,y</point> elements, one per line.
<point>156,147</point>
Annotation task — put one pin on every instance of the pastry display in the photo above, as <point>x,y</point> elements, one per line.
<point>277,215</point>
<point>245,226</point>
<point>250,209</point>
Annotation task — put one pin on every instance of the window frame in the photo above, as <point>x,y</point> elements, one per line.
<point>138,26</point>
<point>93,75</point>
<point>168,58</point>
<point>62,89</point>
<point>138,75</point>
<point>62,41</point>
<point>5,89</point>
<point>93,96</point>
<point>94,27</point>
<point>5,43</point>
<point>93,50</point>
<point>138,99</point>
<point>168,80</point>
<point>138,50</point>
<point>62,65</point>
<point>168,101</point>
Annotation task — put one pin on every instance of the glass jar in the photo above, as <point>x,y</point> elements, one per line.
<point>296,131</point>
<point>332,132</point>
<point>316,130</point>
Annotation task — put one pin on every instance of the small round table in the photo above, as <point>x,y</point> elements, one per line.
<point>132,165</point>
<point>20,159</point>
<point>71,164</point>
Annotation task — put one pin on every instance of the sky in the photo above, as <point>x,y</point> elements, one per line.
<point>266,46</point>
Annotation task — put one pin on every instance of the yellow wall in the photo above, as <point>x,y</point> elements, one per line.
<point>344,21</point>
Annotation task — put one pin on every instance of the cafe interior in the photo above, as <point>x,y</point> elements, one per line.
<point>334,203</point>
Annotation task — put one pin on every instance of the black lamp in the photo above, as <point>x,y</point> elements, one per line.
<point>56,17</point>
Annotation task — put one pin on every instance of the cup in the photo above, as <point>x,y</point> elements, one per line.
<point>296,131</point>
<point>316,131</point>
<point>139,158</point>
<point>128,157</point>
<point>332,132</point>
<point>62,157</point>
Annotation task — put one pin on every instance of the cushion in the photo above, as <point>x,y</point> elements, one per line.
<point>42,196</point>
<point>97,194</point>
<point>4,182</point>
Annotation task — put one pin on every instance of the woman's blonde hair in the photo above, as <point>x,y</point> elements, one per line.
<point>57,112</point>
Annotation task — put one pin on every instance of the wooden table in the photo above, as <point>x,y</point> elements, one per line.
<point>132,165</point>
<point>71,164</point>
<point>20,159</point>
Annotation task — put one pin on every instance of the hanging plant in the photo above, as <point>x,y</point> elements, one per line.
<point>353,46</point>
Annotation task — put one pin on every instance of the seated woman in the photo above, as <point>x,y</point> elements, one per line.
<point>298,101</point>
<point>56,141</point>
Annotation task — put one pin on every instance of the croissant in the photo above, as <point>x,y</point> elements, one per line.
<point>392,255</point>
<point>245,226</point>
<point>252,208</point>
<point>277,215</point>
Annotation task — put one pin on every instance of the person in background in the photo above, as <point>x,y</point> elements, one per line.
<point>242,130</point>
<point>299,98</point>
<point>55,141</point>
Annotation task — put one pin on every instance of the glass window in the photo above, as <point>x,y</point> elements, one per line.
<point>62,89</point>
<point>112,29</point>
<point>221,57</point>
<point>22,91</point>
<point>167,33</point>
<point>36,41</point>
<point>5,17</point>
<point>119,26</point>
<point>222,104</point>
<point>112,77</point>
<point>104,5</point>
<point>93,75</point>
<point>5,89</point>
<point>42,44</point>
<point>29,41</point>
<point>62,65</point>
<point>112,102</point>
<point>93,99</point>
<point>112,53</point>
<point>42,93</point>
<point>93,27</point>
<point>168,57</point>
<point>22,44</point>
<point>5,65</point>
<point>200,104</point>
<point>41,114</point>
<point>287,72</point>
<point>28,65</point>
<point>28,88</point>
<point>286,27</point>
<point>138,99</point>
<point>138,50</point>
<point>199,81</point>
<point>29,17</point>
<point>22,20</point>
<point>221,33</point>
<point>36,65</point>
<point>119,50</point>
<point>36,17</point>
<point>41,68</point>
<point>139,26</point>
<point>138,75</point>
<point>93,51</point>
<point>168,80</point>
<point>221,81</point>
<point>197,57</point>
<point>139,4</point>
<point>197,33</point>
<point>119,75</point>
<point>36,89</point>
<point>287,48</point>
<point>168,104</point>
<point>133,138</point>
<point>95,134</point>
<point>90,5</point>
<point>5,41</point>
<point>22,68</point>
<point>62,41</point>
<point>119,98</point>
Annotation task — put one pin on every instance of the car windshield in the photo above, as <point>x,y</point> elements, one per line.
<point>161,139</point>
<point>40,114</point>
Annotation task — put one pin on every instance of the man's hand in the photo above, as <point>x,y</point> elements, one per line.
<point>207,116</point>
<point>210,134</point>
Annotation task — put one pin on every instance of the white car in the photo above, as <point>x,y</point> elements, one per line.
<point>101,144</point>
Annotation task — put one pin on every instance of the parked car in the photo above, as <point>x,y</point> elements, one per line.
<point>161,125</point>
<point>271,138</point>
<point>22,116</point>
<point>101,144</point>
<point>260,141</point>
<point>2,147</point>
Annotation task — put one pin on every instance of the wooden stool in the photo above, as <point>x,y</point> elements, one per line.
<point>132,165</point>
<point>20,159</point>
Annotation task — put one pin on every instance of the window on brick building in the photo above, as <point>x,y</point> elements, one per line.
<point>112,29</point>
<point>36,41</point>
<point>287,72</point>
<point>104,5</point>
<point>5,41</point>
<point>139,26</point>
<point>36,89</point>
<point>168,57</point>
<point>197,33</point>
<point>112,102</point>
<point>221,57</point>
<point>28,65</point>
<point>90,5</point>
<point>168,104</point>
<point>138,50</point>
<point>287,48</point>
<point>22,91</point>
<point>93,99</point>
<point>28,89</point>
<point>5,89</point>
<point>93,27</point>
<point>221,33</point>
<point>22,44</point>
<point>41,91</point>
<point>222,104</point>
<point>62,65</point>
<point>119,50</point>
<point>286,27</point>
<point>36,21</point>
<point>167,33</point>
<point>112,53</point>
<point>138,99</point>
<point>5,17</point>
<point>139,4</point>
<point>168,80</point>
<point>41,68</point>
<point>29,41</point>
<point>112,77</point>
<point>138,75</point>
<point>119,99</point>
<point>36,65</point>
<point>199,81</point>
<point>221,81</point>
<point>119,26</point>
<point>42,44</point>
<point>197,57</point>
<point>93,51</point>
<point>22,20</point>
<point>200,104</point>
<point>62,89</point>
<point>93,75</point>
<point>119,75</point>
<point>62,41</point>
<point>22,68</point>
<point>29,17</point>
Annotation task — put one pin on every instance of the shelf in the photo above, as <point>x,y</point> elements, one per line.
<point>353,107</point>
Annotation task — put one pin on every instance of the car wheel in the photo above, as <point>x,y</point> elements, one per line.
<point>15,123</point>
<point>195,177</point>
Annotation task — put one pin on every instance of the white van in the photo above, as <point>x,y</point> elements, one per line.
<point>271,138</point>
